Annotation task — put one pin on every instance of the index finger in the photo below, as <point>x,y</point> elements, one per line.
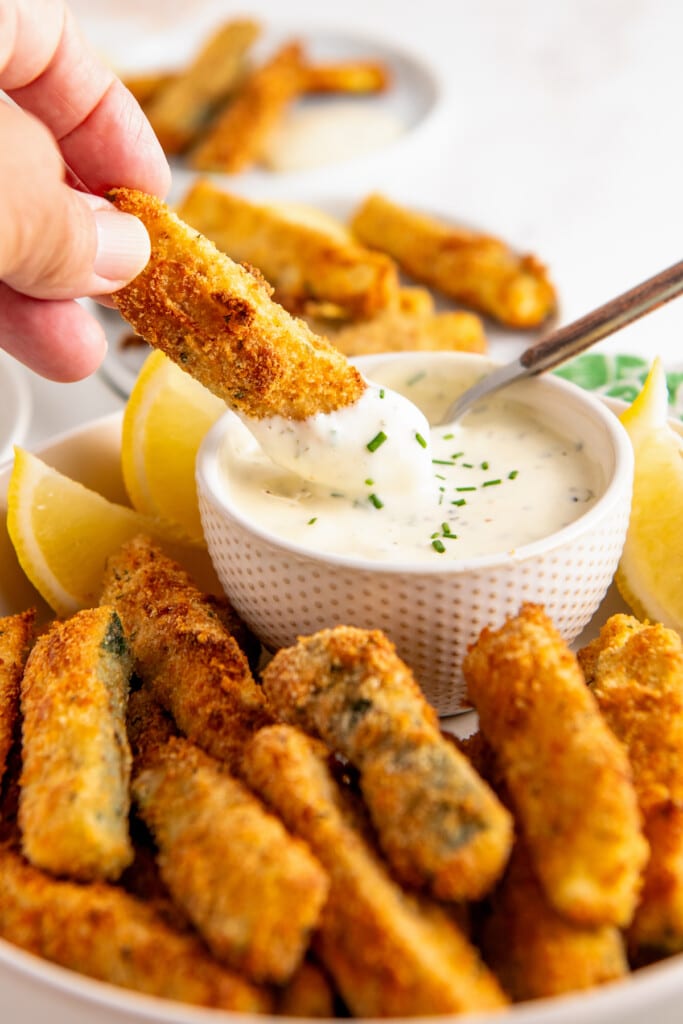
<point>49,69</point>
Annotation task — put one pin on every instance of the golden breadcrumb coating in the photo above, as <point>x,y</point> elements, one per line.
<point>217,321</point>
<point>304,263</point>
<point>16,637</point>
<point>190,662</point>
<point>74,802</point>
<point>235,140</point>
<point>568,776</point>
<point>102,931</point>
<point>252,891</point>
<point>478,270</point>
<point>438,822</point>
<point>635,671</point>
<point>390,953</point>
<point>179,107</point>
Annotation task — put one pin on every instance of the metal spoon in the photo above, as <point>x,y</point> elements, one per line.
<point>567,341</point>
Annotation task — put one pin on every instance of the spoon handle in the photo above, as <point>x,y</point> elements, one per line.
<point>582,333</point>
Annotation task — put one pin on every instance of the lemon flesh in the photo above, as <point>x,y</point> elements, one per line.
<point>650,573</point>
<point>63,533</point>
<point>165,419</point>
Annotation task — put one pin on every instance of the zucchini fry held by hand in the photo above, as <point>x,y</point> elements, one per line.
<point>478,270</point>
<point>390,953</point>
<point>179,109</point>
<point>635,671</point>
<point>234,141</point>
<point>101,931</point>
<point>438,822</point>
<point>252,891</point>
<point>16,636</point>
<point>183,651</point>
<point>74,802</point>
<point>218,322</point>
<point>305,264</point>
<point>568,776</point>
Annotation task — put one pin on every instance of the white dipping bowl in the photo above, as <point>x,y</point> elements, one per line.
<point>432,613</point>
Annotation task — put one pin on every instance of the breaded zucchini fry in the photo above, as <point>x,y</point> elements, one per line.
<point>308,993</point>
<point>390,953</point>
<point>183,652</point>
<point>478,270</point>
<point>218,322</point>
<point>16,636</point>
<point>304,263</point>
<point>438,822</point>
<point>355,76</point>
<point>536,952</point>
<point>393,331</point>
<point>252,891</point>
<point>568,776</point>
<point>101,931</point>
<point>234,141</point>
<point>635,671</point>
<point>74,802</point>
<point>181,108</point>
<point>145,86</point>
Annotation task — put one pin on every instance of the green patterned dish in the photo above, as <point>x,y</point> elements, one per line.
<point>620,376</point>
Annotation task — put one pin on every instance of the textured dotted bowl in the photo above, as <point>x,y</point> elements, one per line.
<point>282,590</point>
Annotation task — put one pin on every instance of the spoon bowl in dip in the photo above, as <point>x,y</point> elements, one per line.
<point>529,501</point>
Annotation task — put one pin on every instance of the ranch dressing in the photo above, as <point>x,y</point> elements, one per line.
<point>501,478</point>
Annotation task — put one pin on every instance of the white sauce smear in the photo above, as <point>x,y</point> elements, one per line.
<point>373,481</point>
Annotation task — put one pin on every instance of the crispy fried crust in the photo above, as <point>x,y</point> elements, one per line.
<point>395,331</point>
<point>16,636</point>
<point>536,952</point>
<point>183,652</point>
<point>438,823</point>
<point>354,76</point>
<point>252,891</point>
<point>568,776</point>
<point>103,932</point>
<point>480,271</point>
<point>74,803</point>
<point>635,671</point>
<point>303,262</point>
<point>180,108</point>
<point>218,322</point>
<point>234,141</point>
<point>389,953</point>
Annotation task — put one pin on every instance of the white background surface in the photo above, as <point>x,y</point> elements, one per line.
<point>559,129</point>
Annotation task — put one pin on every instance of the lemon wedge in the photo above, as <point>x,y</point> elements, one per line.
<point>165,419</point>
<point>650,573</point>
<point>63,532</point>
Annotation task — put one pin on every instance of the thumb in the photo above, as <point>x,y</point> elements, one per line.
<point>55,242</point>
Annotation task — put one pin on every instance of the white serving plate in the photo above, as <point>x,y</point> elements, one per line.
<point>34,991</point>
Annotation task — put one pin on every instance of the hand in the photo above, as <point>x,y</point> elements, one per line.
<point>58,243</point>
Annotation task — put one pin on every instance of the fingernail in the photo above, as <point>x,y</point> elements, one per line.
<point>123,246</point>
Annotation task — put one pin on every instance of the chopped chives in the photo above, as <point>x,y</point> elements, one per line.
<point>467,465</point>
<point>439,546</point>
<point>484,465</point>
<point>459,501</point>
<point>491,483</point>
<point>374,500</point>
<point>457,455</point>
<point>465,488</point>
<point>369,481</point>
<point>442,462</point>
<point>417,377</point>
<point>445,528</point>
<point>448,437</point>
<point>513,475</point>
<point>381,392</point>
<point>311,521</point>
<point>439,476</point>
<point>420,440</point>
<point>377,440</point>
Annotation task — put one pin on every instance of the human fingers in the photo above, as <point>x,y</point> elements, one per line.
<point>49,69</point>
<point>55,242</point>
<point>58,340</point>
